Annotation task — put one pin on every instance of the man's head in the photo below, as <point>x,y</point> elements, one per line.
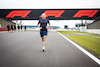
<point>43,16</point>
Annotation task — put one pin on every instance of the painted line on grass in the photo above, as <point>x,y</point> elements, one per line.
<point>82,49</point>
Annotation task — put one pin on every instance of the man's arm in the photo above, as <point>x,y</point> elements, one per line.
<point>39,26</point>
<point>49,25</point>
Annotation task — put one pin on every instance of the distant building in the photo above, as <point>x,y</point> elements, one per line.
<point>29,27</point>
<point>4,22</point>
<point>94,25</point>
<point>54,27</point>
<point>35,27</point>
<point>77,25</point>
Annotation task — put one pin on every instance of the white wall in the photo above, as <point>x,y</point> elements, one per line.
<point>95,31</point>
<point>82,28</point>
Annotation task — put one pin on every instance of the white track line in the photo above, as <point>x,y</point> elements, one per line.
<point>82,49</point>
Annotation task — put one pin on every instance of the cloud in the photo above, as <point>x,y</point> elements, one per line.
<point>44,4</point>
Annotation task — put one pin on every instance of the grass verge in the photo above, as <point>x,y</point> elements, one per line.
<point>90,43</point>
<point>76,32</point>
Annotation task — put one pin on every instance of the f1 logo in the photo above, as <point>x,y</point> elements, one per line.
<point>22,13</point>
<point>89,13</point>
<point>55,13</point>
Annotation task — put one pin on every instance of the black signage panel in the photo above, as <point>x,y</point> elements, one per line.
<point>52,14</point>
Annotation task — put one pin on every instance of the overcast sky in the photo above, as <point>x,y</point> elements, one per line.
<point>29,4</point>
<point>50,4</point>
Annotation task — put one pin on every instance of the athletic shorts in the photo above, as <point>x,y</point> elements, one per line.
<point>42,33</point>
<point>15,28</point>
<point>12,28</point>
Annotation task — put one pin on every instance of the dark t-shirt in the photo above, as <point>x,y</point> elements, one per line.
<point>18,27</point>
<point>11,26</point>
<point>8,26</point>
<point>43,24</point>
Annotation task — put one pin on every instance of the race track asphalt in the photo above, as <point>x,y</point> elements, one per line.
<point>24,49</point>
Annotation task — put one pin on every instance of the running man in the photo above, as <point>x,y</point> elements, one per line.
<point>43,29</point>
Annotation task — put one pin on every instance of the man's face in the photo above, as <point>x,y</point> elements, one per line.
<point>44,16</point>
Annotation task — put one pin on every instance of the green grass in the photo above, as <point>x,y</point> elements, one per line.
<point>90,43</point>
<point>3,31</point>
<point>76,32</point>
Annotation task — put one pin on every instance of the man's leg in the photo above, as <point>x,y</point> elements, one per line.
<point>8,30</point>
<point>15,30</point>
<point>11,30</point>
<point>44,41</point>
